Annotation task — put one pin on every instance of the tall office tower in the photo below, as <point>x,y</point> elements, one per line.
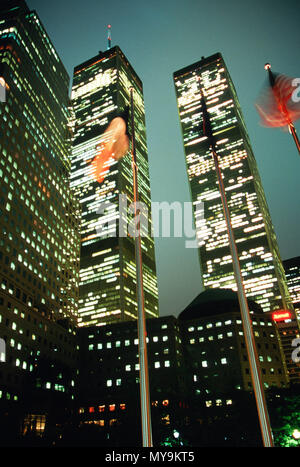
<point>261,266</point>
<point>292,272</point>
<point>39,221</point>
<point>107,288</point>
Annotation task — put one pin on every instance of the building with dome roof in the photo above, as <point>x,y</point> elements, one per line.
<point>214,345</point>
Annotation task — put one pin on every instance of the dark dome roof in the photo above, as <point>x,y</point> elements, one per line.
<point>214,302</point>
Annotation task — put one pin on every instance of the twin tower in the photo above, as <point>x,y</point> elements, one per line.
<point>107,279</point>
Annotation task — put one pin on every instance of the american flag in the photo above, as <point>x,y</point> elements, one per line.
<point>275,104</point>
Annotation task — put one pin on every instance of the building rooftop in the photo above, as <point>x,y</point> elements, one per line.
<point>214,302</point>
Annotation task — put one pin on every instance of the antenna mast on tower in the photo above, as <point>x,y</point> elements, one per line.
<point>108,36</point>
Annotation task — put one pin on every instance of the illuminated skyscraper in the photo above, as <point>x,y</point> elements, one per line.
<point>39,216</point>
<point>101,92</point>
<point>39,220</point>
<point>260,261</point>
<point>292,272</point>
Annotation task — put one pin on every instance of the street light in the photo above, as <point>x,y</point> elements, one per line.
<point>296,435</point>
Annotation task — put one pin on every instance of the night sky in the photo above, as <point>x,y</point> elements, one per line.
<point>160,37</point>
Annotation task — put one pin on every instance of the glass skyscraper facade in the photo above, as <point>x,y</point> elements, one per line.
<point>260,261</point>
<point>292,272</point>
<point>101,92</point>
<point>39,219</point>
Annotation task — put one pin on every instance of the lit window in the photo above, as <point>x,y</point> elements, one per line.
<point>204,364</point>
<point>157,365</point>
<point>109,383</point>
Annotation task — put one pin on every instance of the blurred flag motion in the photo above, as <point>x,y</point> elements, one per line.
<point>113,145</point>
<point>278,104</point>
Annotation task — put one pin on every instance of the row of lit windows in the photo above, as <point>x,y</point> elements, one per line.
<point>127,342</point>
<point>103,408</point>
<point>8,396</point>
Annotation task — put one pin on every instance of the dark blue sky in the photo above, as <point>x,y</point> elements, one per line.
<point>162,36</point>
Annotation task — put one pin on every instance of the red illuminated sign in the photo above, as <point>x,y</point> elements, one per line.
<point>281,315</point>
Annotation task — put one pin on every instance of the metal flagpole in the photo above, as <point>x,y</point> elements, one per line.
<point>295,136</point>
<point>245,314</point>
<point>142,334</point>
<point>247,326</point>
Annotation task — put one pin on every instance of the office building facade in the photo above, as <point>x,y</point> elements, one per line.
<point>39,216</point>
<point>260,261</point>
<point>197,364</point>
<point>292,272</point>
<point>100,93</point>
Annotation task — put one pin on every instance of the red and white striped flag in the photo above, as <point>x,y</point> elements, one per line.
<point>276,104</point>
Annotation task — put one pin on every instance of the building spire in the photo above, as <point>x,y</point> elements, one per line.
<point>108,36</point>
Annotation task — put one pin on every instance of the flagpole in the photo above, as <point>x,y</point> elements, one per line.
<point>247,326</point>
<point>142,333</point>
<point>295,136</point>
<point>243,303</point>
